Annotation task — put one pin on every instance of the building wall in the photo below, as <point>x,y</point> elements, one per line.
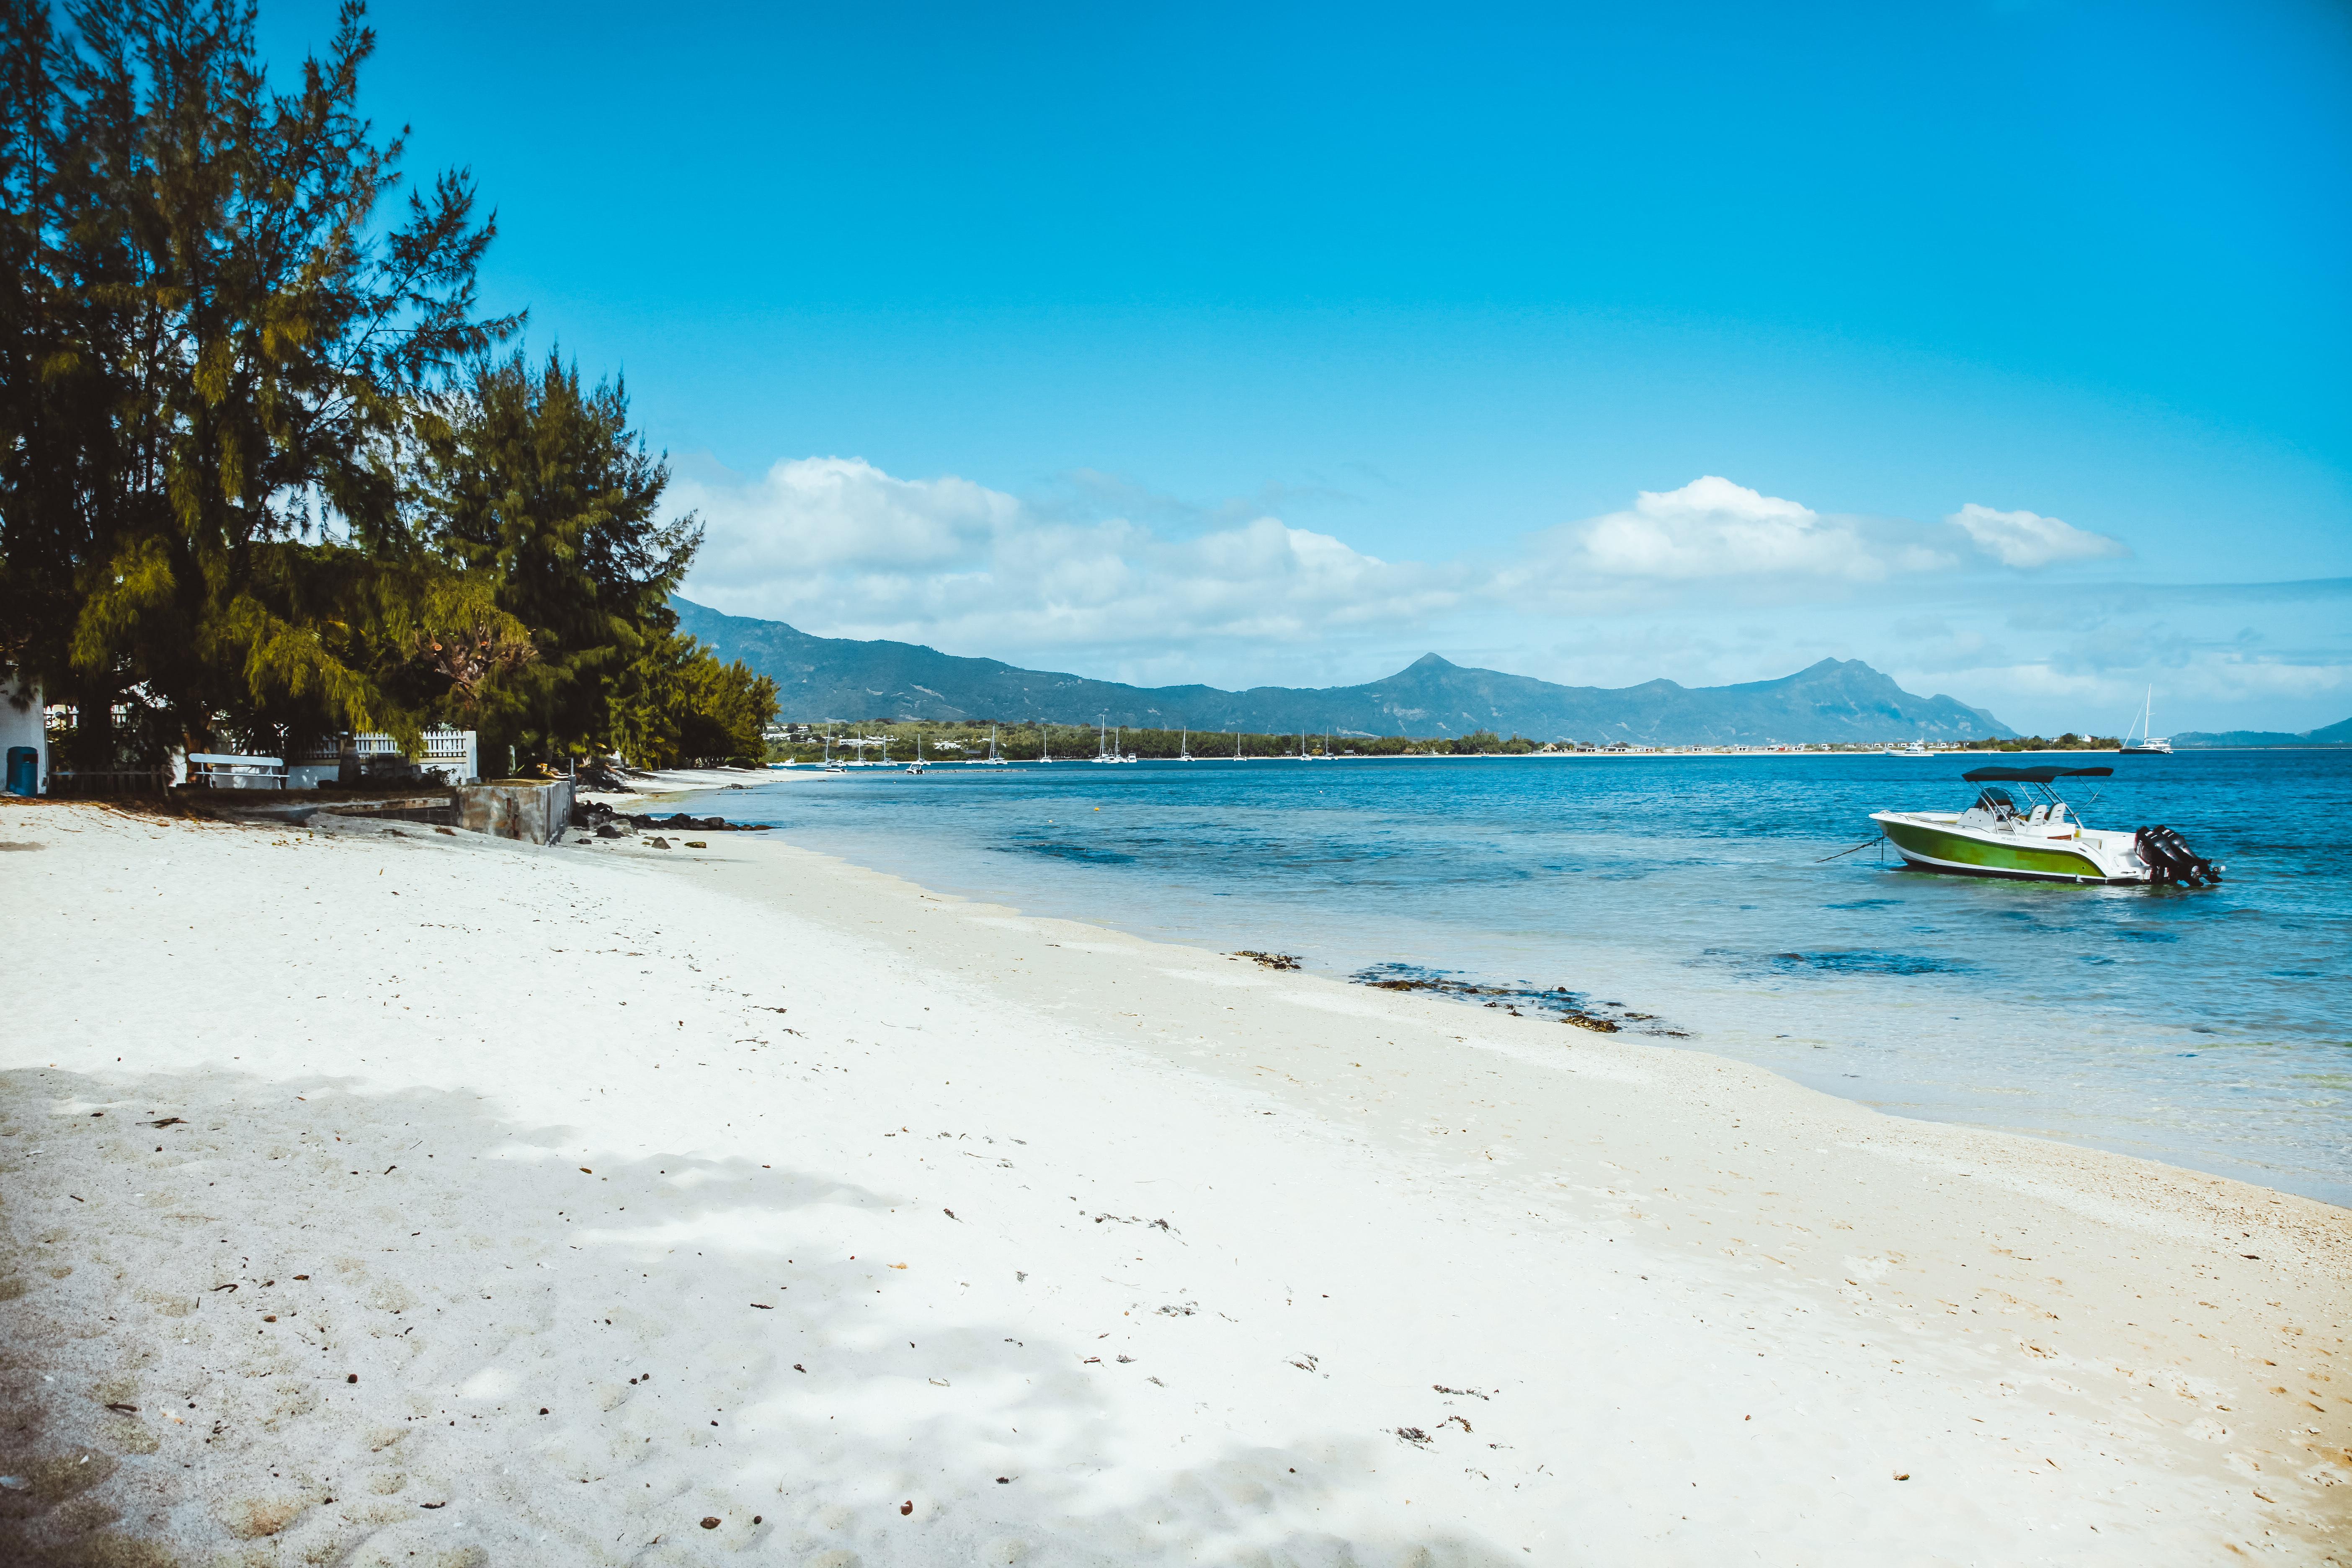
<point>23,727</point>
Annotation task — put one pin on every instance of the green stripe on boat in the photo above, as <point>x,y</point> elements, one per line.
<point>2023,860</point>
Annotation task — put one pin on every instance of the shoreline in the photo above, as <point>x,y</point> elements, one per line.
<point>1634,754</point>
<point>1655,1267</point>
<point>2115,1085</point>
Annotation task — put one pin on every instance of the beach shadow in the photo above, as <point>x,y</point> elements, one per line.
<point>399,1329</point>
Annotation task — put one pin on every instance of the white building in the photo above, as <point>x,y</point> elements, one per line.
<point>452,753</point>
<point>24,741</point>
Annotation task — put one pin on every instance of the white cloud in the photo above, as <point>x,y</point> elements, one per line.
<point>1710,583</point>
<point>837,546</point>
<point>1712,528</point>
<point>815,514</point>
<point>2027,540</point>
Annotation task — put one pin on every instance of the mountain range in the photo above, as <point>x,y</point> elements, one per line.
<point>819,679</point>
<point>2336,734</point>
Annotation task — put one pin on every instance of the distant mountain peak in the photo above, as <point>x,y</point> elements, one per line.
<point>1833,700</point>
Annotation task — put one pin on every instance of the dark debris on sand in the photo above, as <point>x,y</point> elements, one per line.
<point>606,823</point>
<point>1557,1001</point>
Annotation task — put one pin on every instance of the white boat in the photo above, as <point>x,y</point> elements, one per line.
<point>2040,841</point>
<point>917,765</point>
<point>2148,745</point>
<point>1184,746</point>
<point>1914,750</point>
<point>992,760</point>
<point>1102,745</point>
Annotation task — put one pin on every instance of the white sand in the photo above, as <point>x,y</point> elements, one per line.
<point>650,789</point>
<point>889,1197</point>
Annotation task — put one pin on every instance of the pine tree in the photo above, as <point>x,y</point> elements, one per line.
<point>539,488</point>
<point>682,706</point>
<point>214,343</point>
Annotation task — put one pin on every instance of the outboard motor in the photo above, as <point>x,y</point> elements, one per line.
<point>2169,859</point>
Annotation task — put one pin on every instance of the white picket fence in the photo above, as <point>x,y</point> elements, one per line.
<point>453,754</point>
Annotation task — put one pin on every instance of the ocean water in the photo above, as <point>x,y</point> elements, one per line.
<point>1689,898</point>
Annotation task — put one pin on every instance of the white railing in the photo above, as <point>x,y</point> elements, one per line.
<point>450,753</point>
<point>233,770</point>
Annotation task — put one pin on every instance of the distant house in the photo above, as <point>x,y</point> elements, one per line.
<point>24,739</point>
<point>452,753</point>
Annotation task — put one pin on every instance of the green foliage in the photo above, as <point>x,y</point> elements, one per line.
<point>536,486</point>
<point>2069,742</point>
<point>212,337</point>
<point>683,708</point>
<point>260,469</point>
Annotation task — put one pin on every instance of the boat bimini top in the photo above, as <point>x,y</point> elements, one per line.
<point>2033,775</point>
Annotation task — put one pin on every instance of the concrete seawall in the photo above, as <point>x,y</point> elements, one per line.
<point>535,811</point>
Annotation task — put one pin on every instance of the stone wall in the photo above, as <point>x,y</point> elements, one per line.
<point>535,811</point>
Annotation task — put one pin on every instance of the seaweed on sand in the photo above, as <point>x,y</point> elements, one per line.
<point>1570,1006</point>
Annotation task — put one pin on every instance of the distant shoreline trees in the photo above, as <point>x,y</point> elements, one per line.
<point>1019,742</point>
<point>262,474</point>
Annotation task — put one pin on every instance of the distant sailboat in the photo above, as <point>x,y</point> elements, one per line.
<point>1044,751</point>
<point>917,765</point>
<point>1184,745</point>
<point>993,760</point>
<point>2148,745</point>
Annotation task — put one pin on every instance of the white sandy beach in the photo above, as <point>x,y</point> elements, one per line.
<point>409,1198</point>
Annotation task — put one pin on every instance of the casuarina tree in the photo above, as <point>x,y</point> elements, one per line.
<point>537,488</point>
<point>219,319</point>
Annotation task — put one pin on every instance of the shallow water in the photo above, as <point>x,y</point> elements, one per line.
<point>2206,1027</point>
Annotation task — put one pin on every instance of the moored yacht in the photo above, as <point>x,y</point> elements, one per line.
<point>2038,840</point>
<point>2148,745</point>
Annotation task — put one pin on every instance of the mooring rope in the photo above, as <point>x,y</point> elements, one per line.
<point>1843,853</point>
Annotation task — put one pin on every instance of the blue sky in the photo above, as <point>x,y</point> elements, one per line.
<point>1999,344</point>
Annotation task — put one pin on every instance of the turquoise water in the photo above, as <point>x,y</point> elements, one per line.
<point>2207,1027</point>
